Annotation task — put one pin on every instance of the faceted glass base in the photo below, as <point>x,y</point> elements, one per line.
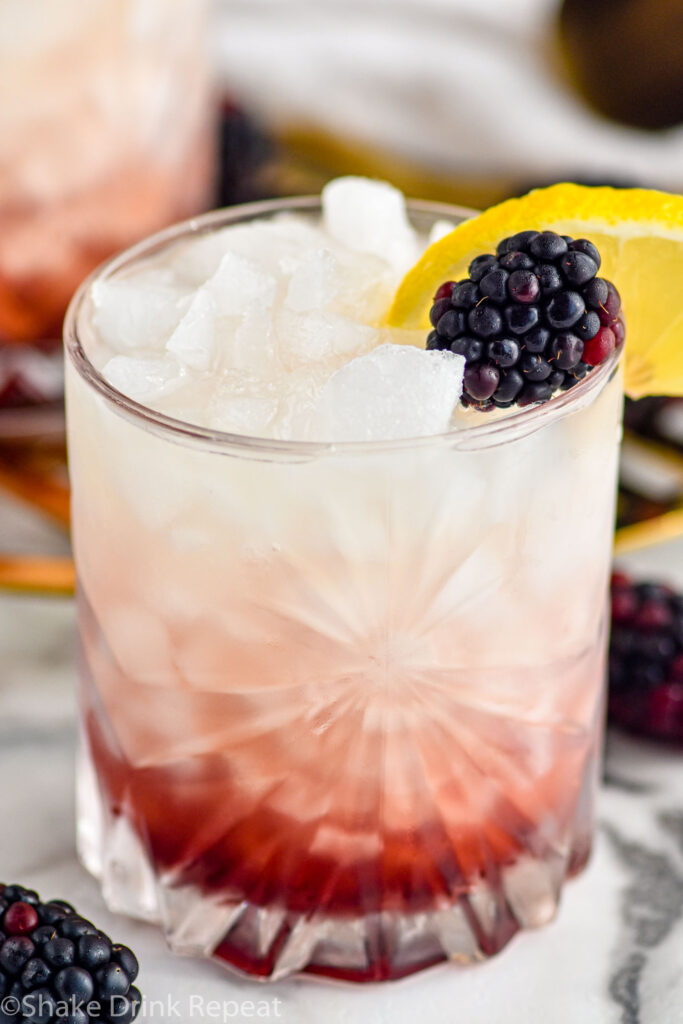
<point>271,942</point>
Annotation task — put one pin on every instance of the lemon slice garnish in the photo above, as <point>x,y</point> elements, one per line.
<point>639,233</point>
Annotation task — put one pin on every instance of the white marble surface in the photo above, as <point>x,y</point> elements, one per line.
<point>611,957</point>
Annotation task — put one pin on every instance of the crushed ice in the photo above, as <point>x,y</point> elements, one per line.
<point>273,328</point>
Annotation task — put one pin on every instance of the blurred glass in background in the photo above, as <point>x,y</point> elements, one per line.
<point>106,134</point>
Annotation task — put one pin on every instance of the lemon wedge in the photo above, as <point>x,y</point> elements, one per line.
<point>640,237</point>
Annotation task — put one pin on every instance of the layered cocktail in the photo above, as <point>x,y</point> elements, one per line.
<point>342,635</point>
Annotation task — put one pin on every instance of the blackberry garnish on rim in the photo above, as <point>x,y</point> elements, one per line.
<point>530,320</point>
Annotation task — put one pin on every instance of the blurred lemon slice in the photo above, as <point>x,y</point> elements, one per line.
<point>640,237</point>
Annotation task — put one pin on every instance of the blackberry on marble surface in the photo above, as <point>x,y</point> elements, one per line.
<point>56,966</point>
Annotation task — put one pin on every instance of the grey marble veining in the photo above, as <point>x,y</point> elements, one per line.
<point>613,956</point>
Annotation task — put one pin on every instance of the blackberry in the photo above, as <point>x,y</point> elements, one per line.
<point>597,348</point>
<point>494,285</point>
<point>521,319</point>
<point>127,959</point>
<point>59,952</point>
<point>595,293</point>
<point>565,309</point>
<point>53,912</point>
<point>530,320</point>
<point>549,278</point>
<point>13,893</point>
<point>484,320</point>
<point>94,951</point>
<point>588,325</point>
<point>585,246</point>
<point>42,935</point>
<point>566,351</point>
<point>73,926</point>
<point>511,383</point>
<point>534,367</point>
<point>112,981</point>
<point>440,307</point>
<point>481,380</point>
<point>516,261</point>
<point>503,353</point>
<point>537,391</point>
<point>480,266</point>
<point>548,245</point>
<point>20,919</point>
<point>445,291</point>
<point>451,323</point>
<point>609,310</point>
<point>59,967</point>
<point>536,340</point>
<point>523,286</point>
<point>619,331</point>
<point>465,294</point>
<point>578,268</point>
<point>471,348</point>
<point>39,1006</point>
<point>15,953</point>
<point>646,659</point>
<point>75,984</point>
<point>36,973</point>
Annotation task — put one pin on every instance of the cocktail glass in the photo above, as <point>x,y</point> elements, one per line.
<point>342,704</point>
<point>105,136</point>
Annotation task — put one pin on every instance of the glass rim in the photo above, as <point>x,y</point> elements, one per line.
<point>480,435</point>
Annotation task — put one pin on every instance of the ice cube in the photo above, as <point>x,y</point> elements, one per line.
<point>251,345</point>
<point>313,284</point>
<point>275,245</point>
<point>238,283</point>
<point>314,337</point>
<point>439,230</point>
<point>143,378</point>
<point>370,216</point>
<point>141,644</point>
<point>278,244</point>
<point>245,414</point>
<point>243,405</point>
<point>291,239</point>
<point>193,340</point>
<point>189,401</point>
<point>395,391</point>
<point>238,288</point>
<point>299,395</point>
<point>365,286</point>
<point>139,312</point>
<point>353,284</point>
<point>198,258</point>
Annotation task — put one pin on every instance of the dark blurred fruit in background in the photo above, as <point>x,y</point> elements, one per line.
<point>626,58</point>
<point>244,150</point>
<point>646,659</point>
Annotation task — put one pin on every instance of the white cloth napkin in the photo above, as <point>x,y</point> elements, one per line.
<point>472,87</point>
